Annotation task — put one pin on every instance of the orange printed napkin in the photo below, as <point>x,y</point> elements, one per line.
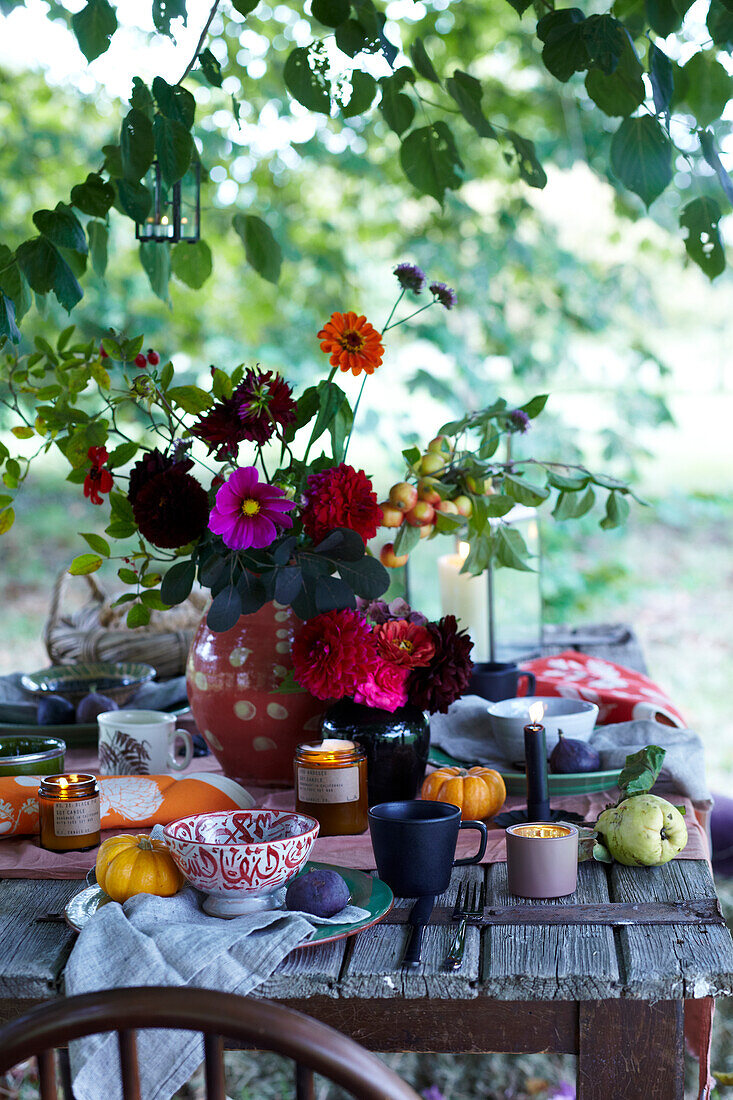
<point>127,801</point>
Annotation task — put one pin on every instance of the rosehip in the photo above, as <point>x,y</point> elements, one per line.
<point>388,557</point>
<point>425,491</point>
<point>141,361</point>
<point>403,496</point>
<point>448,507</point>
<point>431,463</point>
<point>428,531</point>
<point>421,515</point>
<point>153,357</point>
<point>441,445</point>
<point>464,505</point>
<point>391,516</point>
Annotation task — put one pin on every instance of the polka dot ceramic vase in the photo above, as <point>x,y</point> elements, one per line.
<point>233,679</point>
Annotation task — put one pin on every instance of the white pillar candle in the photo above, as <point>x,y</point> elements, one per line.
<point>466,597</point>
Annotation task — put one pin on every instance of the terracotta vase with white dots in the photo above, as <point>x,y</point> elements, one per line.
<point>232,680</point>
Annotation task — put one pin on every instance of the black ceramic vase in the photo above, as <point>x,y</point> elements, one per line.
<point>396,746</point>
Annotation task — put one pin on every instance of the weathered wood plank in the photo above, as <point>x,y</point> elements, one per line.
<point>33,953</point>
<point>307,972</point>
<point>677,961</point>
<point>462,1027</point>
<point>372,968</point>
<point>612,913</point>
<point>549,962</point>
<point>631,1050</point>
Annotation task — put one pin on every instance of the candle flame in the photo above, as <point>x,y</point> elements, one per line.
<point>63,782</point>
<point>536,713</point>
<point>464,549</point>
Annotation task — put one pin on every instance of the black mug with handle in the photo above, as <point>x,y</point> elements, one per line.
<point>415,845</point>
<point>497,680</point>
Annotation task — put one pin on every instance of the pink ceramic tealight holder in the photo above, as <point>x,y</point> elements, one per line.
<point>542,860</point>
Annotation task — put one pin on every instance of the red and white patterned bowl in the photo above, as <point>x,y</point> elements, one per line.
<point>241,858</point>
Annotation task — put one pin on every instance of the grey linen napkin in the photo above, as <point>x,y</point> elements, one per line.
<point>172,942</point>
<point>465,733</point>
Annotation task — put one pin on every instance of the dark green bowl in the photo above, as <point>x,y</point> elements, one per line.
<point>24,755</point>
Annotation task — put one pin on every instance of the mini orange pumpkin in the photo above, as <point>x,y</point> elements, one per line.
<point>129,865</point>
<point>479,792</point>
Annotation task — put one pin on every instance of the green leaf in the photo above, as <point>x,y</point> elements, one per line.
<point>641,770</point>
<point>406,539</point>
<point>96,542</point>
<point>720,24</point>
<point>573,505</point>
<point>535,405</point>
<point>641,157</point>
<point>85,563</point>
<point>363,91</point>
<point>621,91</point>
<point>137,146</point>
<point>14,284</point>
<point>367,577</point>
<point>7,519</point>
<point>306,79</point>
<point>138,615</point>
<point>665,16</point>
<point>709,88</point>
<point>466,91</point>
<point>142,98</point>
<point>397,109</point>
<point>707,144</point>
<point>331,12</point>
<point>430,160</point>
<point>8,327</point>
<point>174,101</point>
<point>565,51</point>
<point>37,260</point>
<point>661,78</point>
<point>191,263</point>
<point>191,399</point>
<point>605,39</point>
<point>520,6</point>
<point>165,11</point>
<point>135,199</point>
<point>211,68</point>
<point>97,232</point>
<point>530,169</point>
<point>601,853</point>
<point>421,61</point>
<point>572,481</point>
<point>152,599</point>
<point>333,594</point>
<point>523,491</point>
<point>62,227</point>
<point>94,196</point>
<point>178,582</point>
<point>617,510</point>
<point>511,550</point>
<point>173,147</point>
<point>225,610</point>
<point>262,250</point>
<point>155,258</point>
<point>120,506</point>
<point>245,7</point>
<point>122,454</point>
<point>703,244</point>
<point>330,399</point>
<point>94,26</point>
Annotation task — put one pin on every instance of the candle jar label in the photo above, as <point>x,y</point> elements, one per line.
<point>320,785</point>
<point>77,818</point>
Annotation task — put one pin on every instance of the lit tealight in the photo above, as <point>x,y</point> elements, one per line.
<point>541,831</point>
<point>330,744</point>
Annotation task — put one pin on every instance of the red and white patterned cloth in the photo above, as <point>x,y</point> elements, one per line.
<point>621,693</point>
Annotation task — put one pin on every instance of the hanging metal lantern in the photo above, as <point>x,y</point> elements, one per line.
<point>175,214</point>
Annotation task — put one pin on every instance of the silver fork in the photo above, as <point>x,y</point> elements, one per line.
<point>464,911</point>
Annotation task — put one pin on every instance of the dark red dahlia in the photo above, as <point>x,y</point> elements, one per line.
<point>333,653</point>
<point>445,679</point>
<point>221,428</point>
<point>171,509</point>
<point>265,403</point>
<point>340,497</point>
<point>150,465</point>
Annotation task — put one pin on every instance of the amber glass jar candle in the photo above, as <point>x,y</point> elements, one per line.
<point>331,785</point>
<point>68,810</point>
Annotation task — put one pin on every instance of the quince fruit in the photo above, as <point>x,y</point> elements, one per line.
<point>643,831</point>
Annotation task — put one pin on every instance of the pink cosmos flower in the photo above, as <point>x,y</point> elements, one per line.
<point>248,512</point>
<point>385,686</point>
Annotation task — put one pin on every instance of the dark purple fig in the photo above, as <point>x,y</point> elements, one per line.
<point>93,705</point>
<point>54,710</point>
<point>570,756</point>
<point>320,892</point>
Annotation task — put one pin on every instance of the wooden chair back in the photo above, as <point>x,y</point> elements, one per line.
<point>260,1024</point>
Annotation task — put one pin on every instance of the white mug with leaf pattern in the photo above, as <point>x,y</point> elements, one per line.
<point>141,742</point>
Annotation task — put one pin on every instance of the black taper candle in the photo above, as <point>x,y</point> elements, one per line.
<point>535,756</point>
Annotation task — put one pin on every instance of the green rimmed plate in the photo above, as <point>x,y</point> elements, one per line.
<point>117,680</point>
<point>365,891</point>
<point>571,783</point>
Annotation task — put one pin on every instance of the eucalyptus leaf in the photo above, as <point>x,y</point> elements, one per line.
<point>225,610</point>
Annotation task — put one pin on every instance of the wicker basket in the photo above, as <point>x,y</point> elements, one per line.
<point>97,631</point>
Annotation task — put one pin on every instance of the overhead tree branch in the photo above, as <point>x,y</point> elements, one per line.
<point>199,44</point>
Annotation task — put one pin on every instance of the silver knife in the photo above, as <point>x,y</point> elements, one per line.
<point>417,920</point>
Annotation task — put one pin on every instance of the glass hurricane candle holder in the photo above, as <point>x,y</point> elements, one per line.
<point>331,785</point>
<point>68,811</point>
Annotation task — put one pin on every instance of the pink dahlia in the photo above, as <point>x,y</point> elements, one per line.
<point>333,653</point>
<point>340,497</point>
<point>385,686</point>
<point>248,512</point>
<point>404,643</point>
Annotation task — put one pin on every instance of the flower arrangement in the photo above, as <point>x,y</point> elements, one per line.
<point>383,655</point>
<point>246,489</point>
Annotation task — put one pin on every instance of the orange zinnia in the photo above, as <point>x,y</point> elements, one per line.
<point>352,343</point>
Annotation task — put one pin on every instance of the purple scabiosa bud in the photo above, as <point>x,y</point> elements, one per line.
<point>411,277</point>
<point>443,294</point>
<point>519,420</point>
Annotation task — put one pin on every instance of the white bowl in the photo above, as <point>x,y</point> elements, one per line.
<point>507,718</point>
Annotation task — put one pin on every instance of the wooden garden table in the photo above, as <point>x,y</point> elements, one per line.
<point>613,996</point>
